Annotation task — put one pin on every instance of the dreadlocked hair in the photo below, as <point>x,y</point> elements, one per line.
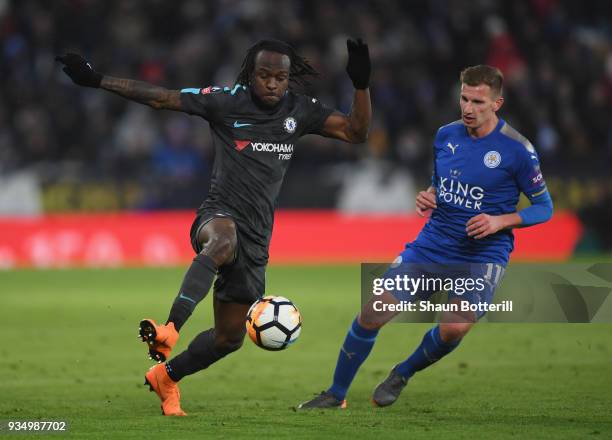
<point>298,72</point>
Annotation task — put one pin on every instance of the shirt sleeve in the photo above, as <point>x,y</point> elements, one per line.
<point>434,173</point>
<point>209,102</point>
<point>315,115</point>
<point>540,211</point>
<point>528,173</point>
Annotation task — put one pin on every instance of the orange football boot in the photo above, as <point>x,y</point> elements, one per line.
<point>160,338</point>
<point>168,391</point>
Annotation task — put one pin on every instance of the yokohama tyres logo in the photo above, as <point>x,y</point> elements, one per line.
<point>284,151</point>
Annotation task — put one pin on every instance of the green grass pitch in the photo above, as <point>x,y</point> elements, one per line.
<point>70,351</point>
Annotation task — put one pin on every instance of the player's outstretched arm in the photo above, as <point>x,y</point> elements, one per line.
<point>354,127</point>
<point>143,92</point>
<point>82,73</point>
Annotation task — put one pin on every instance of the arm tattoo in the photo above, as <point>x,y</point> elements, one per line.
<point>145,93</point>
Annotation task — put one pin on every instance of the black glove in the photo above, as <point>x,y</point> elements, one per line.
<point>79,70</point>
<point>358,66</point>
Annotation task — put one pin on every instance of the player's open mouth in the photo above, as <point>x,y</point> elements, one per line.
<point>468,119</point>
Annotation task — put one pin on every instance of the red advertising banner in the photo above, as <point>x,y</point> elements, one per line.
<point>162,238</point>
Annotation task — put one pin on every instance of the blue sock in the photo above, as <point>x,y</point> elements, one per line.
<point>431,350</point>
<point>356,348</point>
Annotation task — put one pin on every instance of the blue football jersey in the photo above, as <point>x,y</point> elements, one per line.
<point>474,176</point>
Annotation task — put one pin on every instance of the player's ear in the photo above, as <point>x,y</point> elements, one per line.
<point>497,104</point>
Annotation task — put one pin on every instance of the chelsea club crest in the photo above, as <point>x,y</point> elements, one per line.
<point>492,159</point>
<point>290,125</point>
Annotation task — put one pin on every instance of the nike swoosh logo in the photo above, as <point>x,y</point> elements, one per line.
<point>238,124</point>
<point>181,296</point>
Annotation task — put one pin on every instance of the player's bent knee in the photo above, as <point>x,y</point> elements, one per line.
<point>221,247</point>
<point>225,247</point>
<point>219,239</point>
<point>454,332</point>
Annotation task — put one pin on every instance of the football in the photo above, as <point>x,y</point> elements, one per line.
<point>274,323</point>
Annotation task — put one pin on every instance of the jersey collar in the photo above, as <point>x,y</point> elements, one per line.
<point>498,127</point>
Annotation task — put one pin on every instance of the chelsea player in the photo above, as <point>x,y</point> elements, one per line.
<point>481,165</point>
<point>255,125</point>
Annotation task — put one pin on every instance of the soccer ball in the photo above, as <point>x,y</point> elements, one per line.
<point>274,323</point>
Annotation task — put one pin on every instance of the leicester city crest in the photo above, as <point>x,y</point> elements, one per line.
<point>492,159</point>
<point>290,125</point>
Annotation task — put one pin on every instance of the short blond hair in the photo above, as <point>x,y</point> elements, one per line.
<point>483,74</point>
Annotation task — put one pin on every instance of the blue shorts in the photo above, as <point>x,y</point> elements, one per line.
<point>472,282</point>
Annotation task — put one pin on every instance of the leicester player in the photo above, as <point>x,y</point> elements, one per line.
<point>255,125</point>
<point>481,165</point>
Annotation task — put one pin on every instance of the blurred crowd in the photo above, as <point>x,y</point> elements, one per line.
<point>556,56</point>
